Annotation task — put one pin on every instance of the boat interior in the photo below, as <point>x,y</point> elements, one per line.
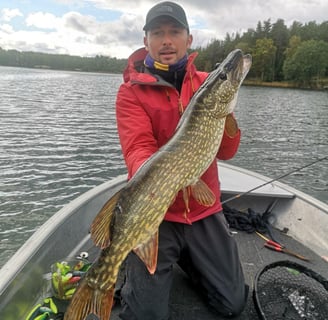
<point>295,224</point>
<point>186,303</point>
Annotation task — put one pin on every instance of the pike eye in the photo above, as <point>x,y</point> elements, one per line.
<point>223,76</point>
<point>118,209</point>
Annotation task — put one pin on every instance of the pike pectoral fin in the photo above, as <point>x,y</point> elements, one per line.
<point>202,193</point>
<point>186,194</point>
<point>102,225</point>
<point>148,253</point>
<point>88,301</point>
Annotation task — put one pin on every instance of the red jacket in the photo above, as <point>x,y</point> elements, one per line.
<point>147,111</point>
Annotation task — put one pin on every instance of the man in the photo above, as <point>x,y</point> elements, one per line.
<point>159,81</point>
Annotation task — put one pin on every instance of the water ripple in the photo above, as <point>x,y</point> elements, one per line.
<point>59,139</point>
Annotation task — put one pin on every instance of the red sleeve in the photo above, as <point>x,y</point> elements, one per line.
<point>134,129</point>
<point>229,146</point>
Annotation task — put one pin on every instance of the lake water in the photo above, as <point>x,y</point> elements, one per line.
<point>59,139</point>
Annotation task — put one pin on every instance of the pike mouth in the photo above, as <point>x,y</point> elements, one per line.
<point>242,66</point>
<point>238,67</point>
<point>247,63</point>
<point>234,69</point>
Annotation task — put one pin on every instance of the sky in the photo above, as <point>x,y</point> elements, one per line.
<point>114,27</point>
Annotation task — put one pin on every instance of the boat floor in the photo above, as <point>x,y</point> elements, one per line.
<point>186,303</point>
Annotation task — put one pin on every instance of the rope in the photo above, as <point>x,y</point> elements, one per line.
<point>249,221</point>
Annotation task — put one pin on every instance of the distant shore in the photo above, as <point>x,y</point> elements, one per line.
<point>320,85</point>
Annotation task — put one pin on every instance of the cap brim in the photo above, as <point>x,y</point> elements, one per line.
<point>148,25</point>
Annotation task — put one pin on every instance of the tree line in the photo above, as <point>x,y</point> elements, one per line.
<point>298,54</point>
<point>16,58</point>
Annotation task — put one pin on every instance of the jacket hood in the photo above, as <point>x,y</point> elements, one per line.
<point>134,68</point>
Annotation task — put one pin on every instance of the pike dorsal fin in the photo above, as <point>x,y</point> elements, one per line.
<point>202,193</point>
<point>148,253</point>
<point>102,225</point>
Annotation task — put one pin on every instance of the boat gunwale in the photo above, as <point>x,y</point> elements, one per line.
<point>293,191</point>
<point>24,255</point>
<point>26,252</point>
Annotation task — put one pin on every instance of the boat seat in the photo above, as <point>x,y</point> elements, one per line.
<point>235,180</point>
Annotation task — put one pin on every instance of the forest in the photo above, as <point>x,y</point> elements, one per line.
<point>297,55</point>
<point>294,56</point>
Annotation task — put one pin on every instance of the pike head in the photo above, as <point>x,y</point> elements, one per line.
<point>219,91</point>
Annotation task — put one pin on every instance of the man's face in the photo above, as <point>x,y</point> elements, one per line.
<point>167,41</point>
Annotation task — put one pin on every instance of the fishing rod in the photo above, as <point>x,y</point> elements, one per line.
<point>275,179</point>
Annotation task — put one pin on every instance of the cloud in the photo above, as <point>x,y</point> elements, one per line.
<point>240,15</point>
<point>43,20</point>
<point>114,27</point>
<point>6,28</point>
<point>114,38</point>
<point>76,34</point>
<point>79,23</point>
<point>8,14</point>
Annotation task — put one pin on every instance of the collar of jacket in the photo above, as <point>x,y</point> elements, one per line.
<point>136,77</point>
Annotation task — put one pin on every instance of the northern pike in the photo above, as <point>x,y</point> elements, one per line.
<point>129,220</point>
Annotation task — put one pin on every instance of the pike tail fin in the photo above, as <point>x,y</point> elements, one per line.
<point>88,301</point>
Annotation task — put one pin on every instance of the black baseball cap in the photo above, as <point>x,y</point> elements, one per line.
<point>168,9</point>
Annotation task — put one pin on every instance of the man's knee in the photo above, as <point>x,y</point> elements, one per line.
<point>229,308</point>
<point>144,296</point>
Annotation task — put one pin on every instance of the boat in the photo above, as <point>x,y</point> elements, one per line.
<point>298,220</point>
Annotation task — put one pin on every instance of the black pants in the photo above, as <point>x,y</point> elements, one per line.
<point>206,251</point>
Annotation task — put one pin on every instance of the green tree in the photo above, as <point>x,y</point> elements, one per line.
<point>259,30</point>
<point>267,27</point>
<point>249,37</point>
<point>294,43</point>
<point>263,59</point>
<point>323,31</point>
<point>296,29</point>
<point>280,36</point>
<point>310,31</point>
<point>310,62</point>
<point>244,46</point>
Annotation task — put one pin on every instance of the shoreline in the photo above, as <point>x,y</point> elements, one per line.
<point>321,86</point>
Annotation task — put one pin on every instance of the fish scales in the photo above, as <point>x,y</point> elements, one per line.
<point>139,208</point>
